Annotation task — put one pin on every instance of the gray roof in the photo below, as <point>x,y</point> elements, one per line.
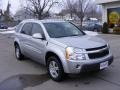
<point>43,21</point>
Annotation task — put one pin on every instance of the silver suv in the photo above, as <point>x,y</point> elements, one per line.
<point>61,46</point>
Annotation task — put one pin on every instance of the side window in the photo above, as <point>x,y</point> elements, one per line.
<point>37,29</point>
<point>27,28</point>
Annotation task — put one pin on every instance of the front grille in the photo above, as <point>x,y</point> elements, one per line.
<point>98,54</point>
<point>91,49</point>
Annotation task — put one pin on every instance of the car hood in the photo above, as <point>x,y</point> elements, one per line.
<point>83,42</point>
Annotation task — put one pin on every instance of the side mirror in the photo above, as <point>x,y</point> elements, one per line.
<point>37,36</point>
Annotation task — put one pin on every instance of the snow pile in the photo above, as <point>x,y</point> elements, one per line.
<point>7,32</point>
<point>91,33</point>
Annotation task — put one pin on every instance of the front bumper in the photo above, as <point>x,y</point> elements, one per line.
<point>75,67</point>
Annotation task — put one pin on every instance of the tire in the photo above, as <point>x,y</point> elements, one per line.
<point>55,69</point>
<point>96,30</point>
<point>18,53</point>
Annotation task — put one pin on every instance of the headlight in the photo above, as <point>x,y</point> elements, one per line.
<point>74,54</point>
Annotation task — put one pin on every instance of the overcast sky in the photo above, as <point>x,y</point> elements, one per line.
<point>16,5</point>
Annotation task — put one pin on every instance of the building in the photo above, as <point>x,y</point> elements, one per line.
<point>111,10</point>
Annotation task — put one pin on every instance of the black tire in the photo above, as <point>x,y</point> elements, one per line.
<point>18,53</point>
<point>60,71</point>
<point>96,30</point>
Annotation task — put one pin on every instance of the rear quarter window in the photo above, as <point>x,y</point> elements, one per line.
<point>18,27</point>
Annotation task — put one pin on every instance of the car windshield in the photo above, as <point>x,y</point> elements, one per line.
<point>62,29</point>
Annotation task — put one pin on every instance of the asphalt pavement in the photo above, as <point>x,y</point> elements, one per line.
<point>29,75</point>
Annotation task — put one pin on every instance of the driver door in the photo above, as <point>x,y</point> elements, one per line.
<point>38,46</point>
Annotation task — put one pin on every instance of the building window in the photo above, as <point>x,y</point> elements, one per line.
<point>113,15</point>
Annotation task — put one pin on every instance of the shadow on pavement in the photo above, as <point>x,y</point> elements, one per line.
<point>19,82</point>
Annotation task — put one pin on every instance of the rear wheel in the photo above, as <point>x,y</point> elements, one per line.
<point>55,69</point>
<point>18,53</point>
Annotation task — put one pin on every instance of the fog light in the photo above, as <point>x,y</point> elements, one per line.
<point>78,66</point>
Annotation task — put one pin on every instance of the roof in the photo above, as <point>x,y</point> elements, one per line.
<point>51,20</point>
<point>105,1</point>
<point>43,21</point>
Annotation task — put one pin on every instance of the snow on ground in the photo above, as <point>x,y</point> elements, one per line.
<point>91,33</point>
<point>2,30</point>
<point>7,32</point>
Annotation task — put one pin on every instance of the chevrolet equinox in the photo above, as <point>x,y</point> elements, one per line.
<point>61,46</point>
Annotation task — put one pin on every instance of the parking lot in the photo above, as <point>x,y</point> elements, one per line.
<point>29,75</point>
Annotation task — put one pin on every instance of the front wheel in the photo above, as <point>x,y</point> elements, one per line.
<point>55,69</point>
<point>18,53</point>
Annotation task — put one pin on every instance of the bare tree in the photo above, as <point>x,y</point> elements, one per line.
<point>70,6</point>
<point>81,7</point>
<point>40,8</point>
<point>7,13</point>
<point>93,11</point>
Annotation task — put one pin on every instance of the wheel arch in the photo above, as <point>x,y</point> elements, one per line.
<point>15,43</point>
<point>50,53</point>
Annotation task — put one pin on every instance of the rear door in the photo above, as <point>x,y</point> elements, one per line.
<point>25,36</point>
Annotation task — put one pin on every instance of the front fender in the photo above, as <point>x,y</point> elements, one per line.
<point>60,52</point>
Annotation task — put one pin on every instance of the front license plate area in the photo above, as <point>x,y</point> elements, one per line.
<point>103,65</point>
